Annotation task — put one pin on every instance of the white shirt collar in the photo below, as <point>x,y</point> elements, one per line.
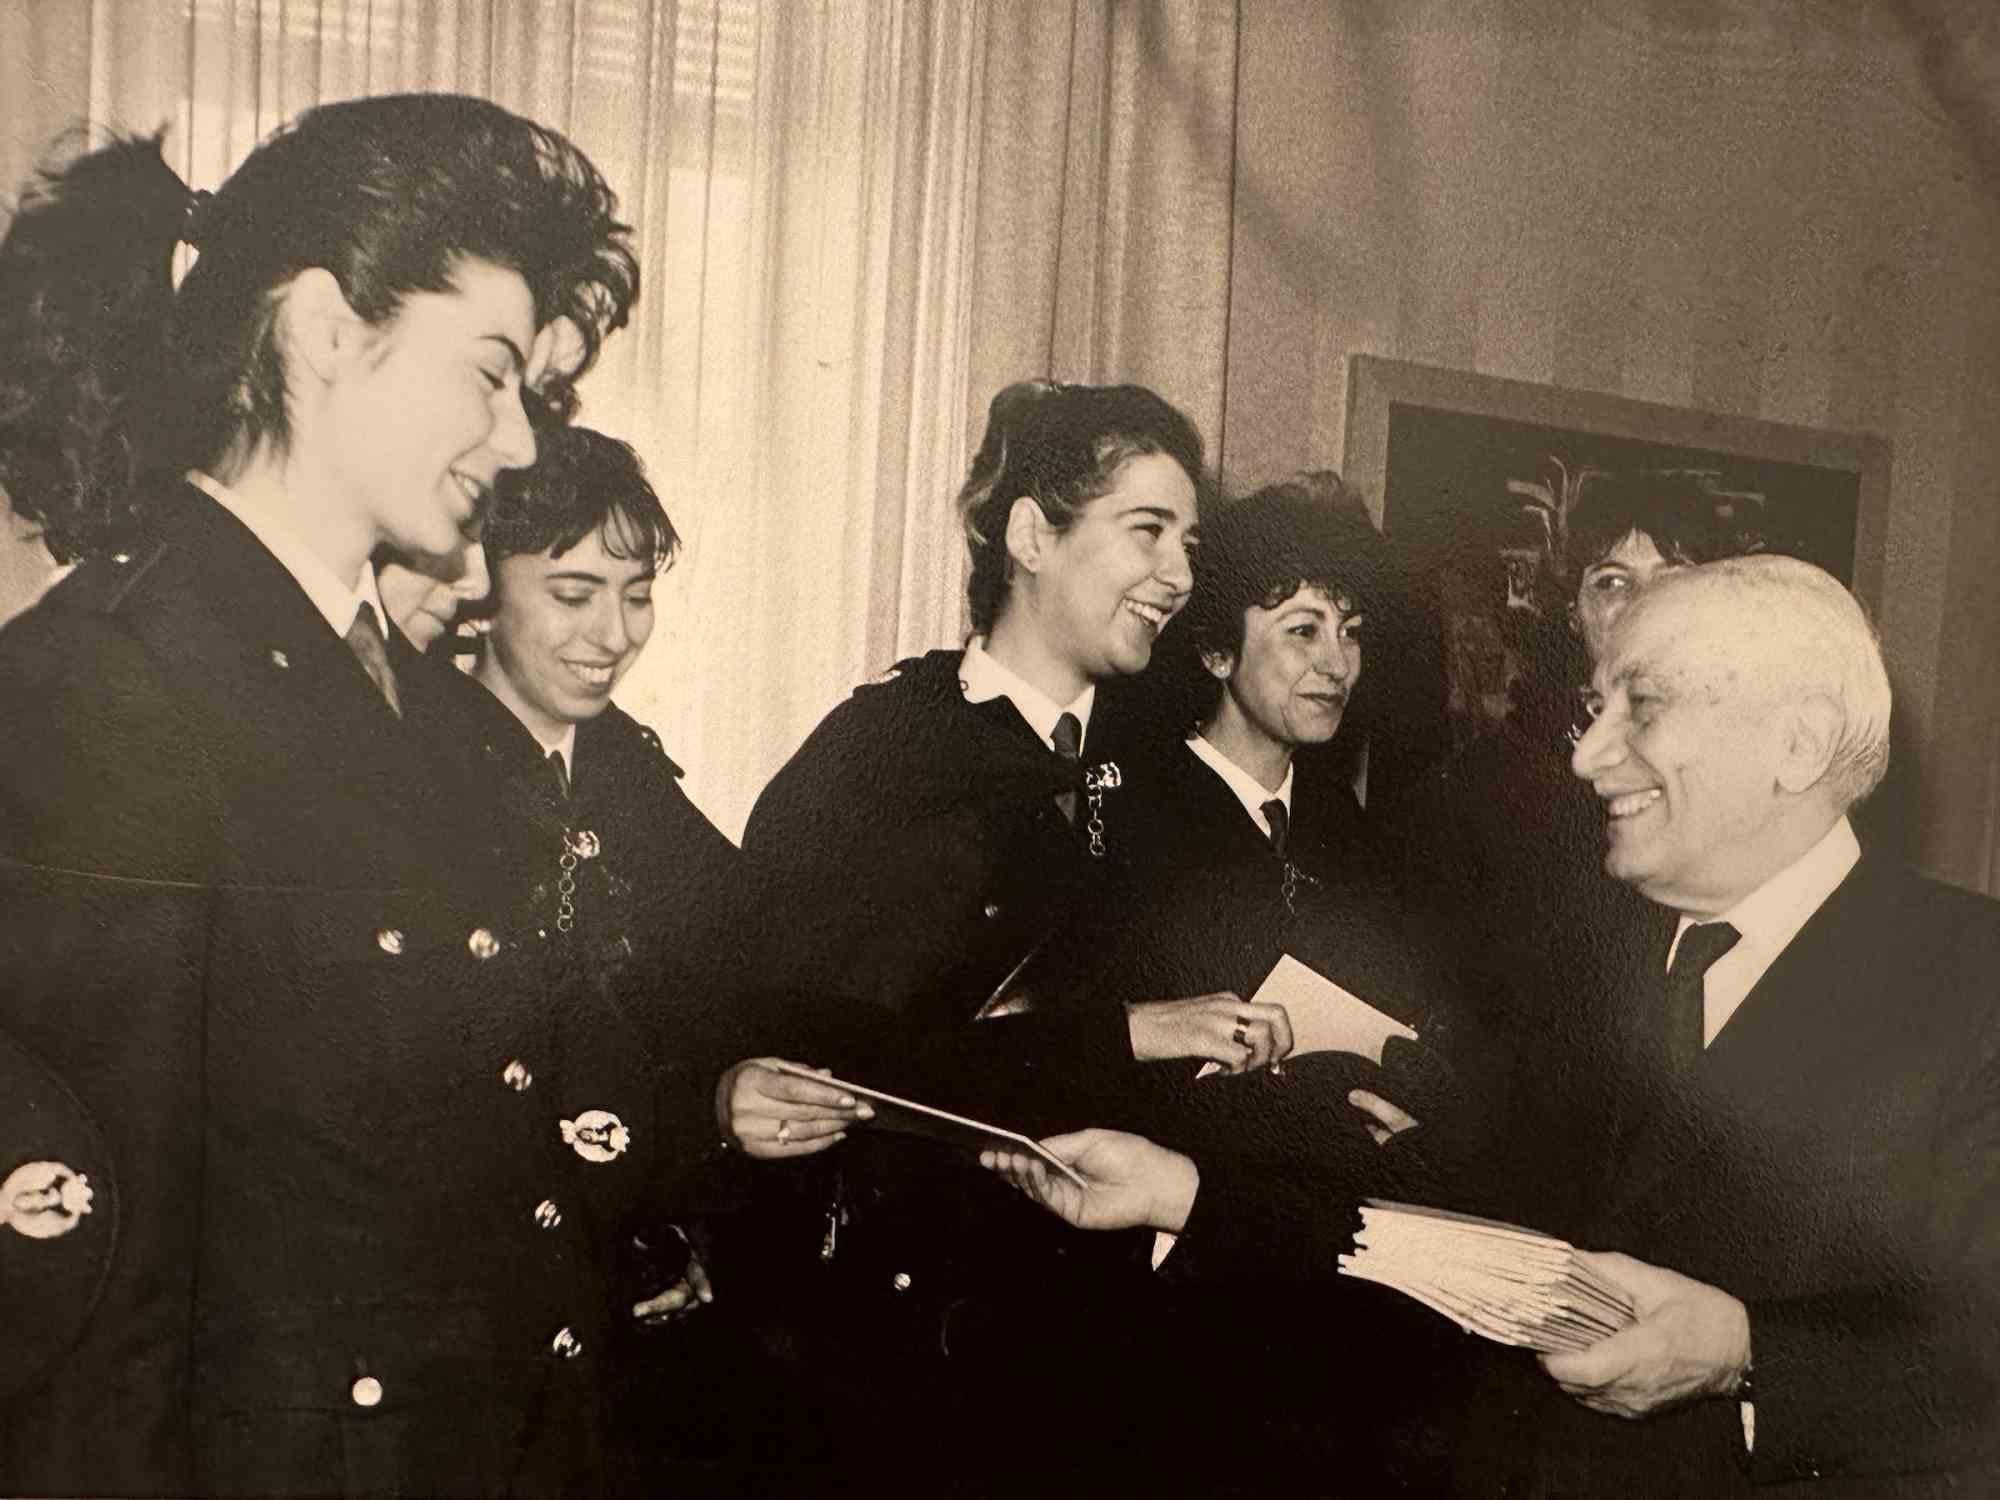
<point>338,602</point>
<point>1768,919</point>
<point>564,745</point>
<point>983,679</point>
<point>1249,791</point>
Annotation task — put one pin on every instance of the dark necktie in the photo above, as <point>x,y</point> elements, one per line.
<point>1067,737</point>
<point>1700,946</point>
<point>1281,824</point>
<point>364,639</point>
<point>561,768</point>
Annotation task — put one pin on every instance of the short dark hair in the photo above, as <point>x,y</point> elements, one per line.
<point>1308,531</point>
<point>1062,447</point>
<point>82,319</point>
<point>580,481</point>
<point>1688,519</point>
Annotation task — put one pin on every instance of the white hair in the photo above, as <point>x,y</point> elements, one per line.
<point>1822,642</point>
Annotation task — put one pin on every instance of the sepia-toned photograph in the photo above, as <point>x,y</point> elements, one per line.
<point>1000,748</point>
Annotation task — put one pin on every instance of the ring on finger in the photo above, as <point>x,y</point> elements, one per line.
<point>1242,1037</point>
<point>784,1132</point>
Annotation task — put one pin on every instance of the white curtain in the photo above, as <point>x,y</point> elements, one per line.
<point>857,219</point>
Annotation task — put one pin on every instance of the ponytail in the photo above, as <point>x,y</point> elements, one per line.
<point>86,291</point>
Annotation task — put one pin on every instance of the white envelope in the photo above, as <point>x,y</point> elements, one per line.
<point>1325,1017</point>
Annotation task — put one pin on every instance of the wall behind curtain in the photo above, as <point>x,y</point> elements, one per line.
<point>857,218</point>
<point>1772,208</point>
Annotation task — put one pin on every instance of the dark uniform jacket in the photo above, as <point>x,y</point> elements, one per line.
<point>911,864</point>
<point>239,920</point>
<point>631,896</point>
<point>1202,902</point>
<point>1837,1168</point>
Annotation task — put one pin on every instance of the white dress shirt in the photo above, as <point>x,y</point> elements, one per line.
<point>338,602</point>
<point>1768,919</point>
<point>1247,788</point>
<point>983,679</point>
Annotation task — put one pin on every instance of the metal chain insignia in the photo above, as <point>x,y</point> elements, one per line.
<point>1097,781</point>
<point>566,889</point>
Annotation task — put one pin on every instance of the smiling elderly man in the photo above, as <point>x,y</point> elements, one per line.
<point>1807,1125</point>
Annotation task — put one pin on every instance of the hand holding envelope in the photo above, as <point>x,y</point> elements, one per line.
<point>1324,1016</point>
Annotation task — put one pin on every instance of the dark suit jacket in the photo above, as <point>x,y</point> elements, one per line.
<point>240,921</point>
<point>1838,1169</point>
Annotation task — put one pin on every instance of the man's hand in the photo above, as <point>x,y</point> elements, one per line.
<point>1131,1183</point>
<point>1385,1120</point>
<point>774,1116</point>
<point>1690,1340</point>
<point>1239,1035</point>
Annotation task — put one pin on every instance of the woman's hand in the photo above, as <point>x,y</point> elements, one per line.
<point>690,1293</point>
<point>1131,1183</point>
<point>776,1116</point>
<point>1240,1035</point>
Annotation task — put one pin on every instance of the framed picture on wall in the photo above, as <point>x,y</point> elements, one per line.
<point>1476,479</point>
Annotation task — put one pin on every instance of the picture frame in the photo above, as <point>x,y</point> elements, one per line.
<point>1473,477</point>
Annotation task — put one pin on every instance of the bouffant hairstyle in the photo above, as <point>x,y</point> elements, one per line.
<point>1062,447</point>
<point>106,370</point>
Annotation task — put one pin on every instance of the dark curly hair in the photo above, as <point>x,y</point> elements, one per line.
<point>86,281</point>
<point>1309,531</point>
<point>108,371</point>
<point>1062,447</point>
<point>580,481</point>
<point>1679,509</point>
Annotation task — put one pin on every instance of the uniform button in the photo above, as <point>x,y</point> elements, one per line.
<point>516,1076</point>
<point>901,1281</point>
<point>483,944</point>
<point>565,1345</point>
<point>389,940</point>
<point>586,844</point>
<point>367,1391</point>
<point>993,911</point>
<point>547,1214</point>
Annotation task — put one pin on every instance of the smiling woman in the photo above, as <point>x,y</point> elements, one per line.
<point>232,781</point>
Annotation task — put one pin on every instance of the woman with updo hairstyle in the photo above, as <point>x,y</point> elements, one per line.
<point>920,865</point>
<point>243,920</point>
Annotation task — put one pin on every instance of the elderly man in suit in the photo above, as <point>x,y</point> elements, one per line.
<point>1808,1118</point>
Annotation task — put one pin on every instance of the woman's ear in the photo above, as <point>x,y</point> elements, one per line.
<point>1218,664</point>
<point>320,331</point>
<point>1028,534</point>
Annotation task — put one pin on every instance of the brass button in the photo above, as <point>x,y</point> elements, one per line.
<point>367,1391</point>
<point>901,1281</point>
<point>547,1215</point>
<point>565,1345</point>
<point>483,944</point>
<point>516,1076</point>
<point>390,941</point>
<point>993,911</point>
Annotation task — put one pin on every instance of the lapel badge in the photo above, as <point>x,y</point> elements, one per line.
<point>584,844</point>
<point>596,1135</point>
<point>279,659</point>
<point>44,1199</point>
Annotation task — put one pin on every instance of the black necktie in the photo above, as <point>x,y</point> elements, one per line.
<point>1067,737</point>
<point>364,639</point>
<point>1280,821</point>
<point>561,769</point>
<point>1700,946</point>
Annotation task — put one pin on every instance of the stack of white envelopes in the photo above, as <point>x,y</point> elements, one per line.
<point>1500,1281</point>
